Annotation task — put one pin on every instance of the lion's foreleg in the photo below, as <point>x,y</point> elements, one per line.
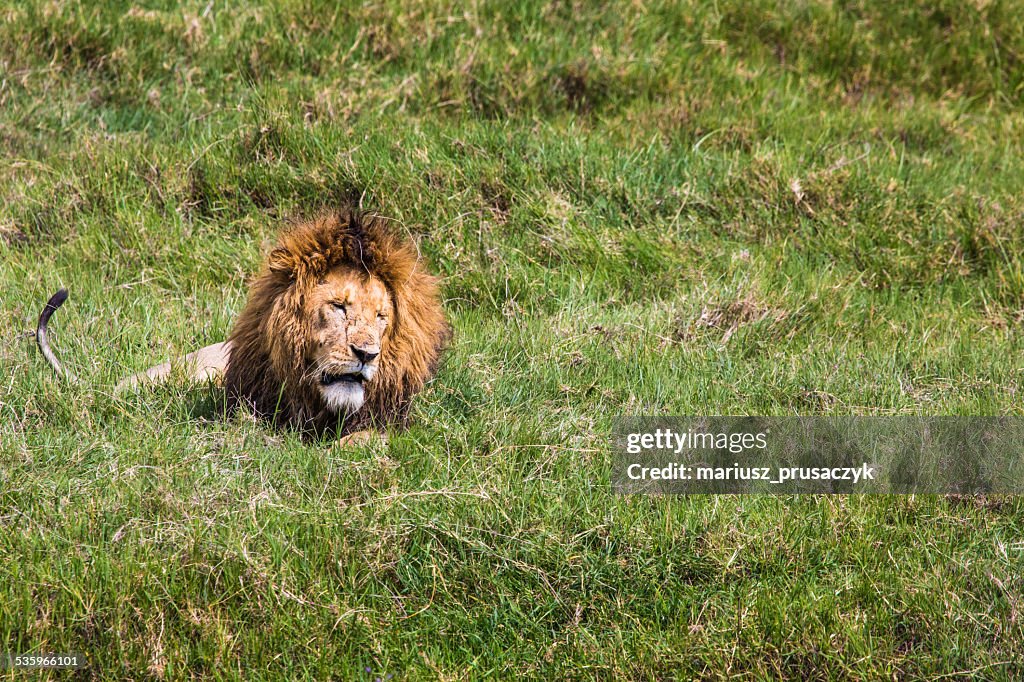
<point>205,364</point>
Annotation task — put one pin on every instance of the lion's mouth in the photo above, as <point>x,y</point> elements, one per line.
<point>328,379</point>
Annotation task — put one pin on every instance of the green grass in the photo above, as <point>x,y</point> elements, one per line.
<point>741,207</point>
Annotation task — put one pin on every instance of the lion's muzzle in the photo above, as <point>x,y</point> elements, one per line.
<point>343,387</point>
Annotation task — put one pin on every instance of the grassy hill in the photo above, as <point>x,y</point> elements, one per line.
<point>741,207</point>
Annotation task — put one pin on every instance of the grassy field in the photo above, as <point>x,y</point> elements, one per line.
<point>740,207</point>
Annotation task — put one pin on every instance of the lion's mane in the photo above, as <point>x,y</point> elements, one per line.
<point>270,339</point>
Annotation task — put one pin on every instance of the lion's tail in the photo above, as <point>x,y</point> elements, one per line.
<point>56,301</point>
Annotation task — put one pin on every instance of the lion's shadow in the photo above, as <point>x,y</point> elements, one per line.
<point>210,404</point>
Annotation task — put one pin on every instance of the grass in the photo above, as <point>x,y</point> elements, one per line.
<point>652,208</point>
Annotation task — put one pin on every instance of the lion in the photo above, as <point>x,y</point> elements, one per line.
<point>341,328</point>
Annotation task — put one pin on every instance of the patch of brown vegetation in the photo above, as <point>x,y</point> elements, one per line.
<point>11,235</point>
<point>726,319</point>
<point>583,90</point>
<point>977,501</point>
<point>496,200</point>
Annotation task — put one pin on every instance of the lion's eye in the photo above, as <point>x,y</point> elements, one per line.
<point>340,306</point>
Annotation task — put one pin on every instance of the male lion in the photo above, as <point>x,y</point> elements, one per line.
<point>341,328</point>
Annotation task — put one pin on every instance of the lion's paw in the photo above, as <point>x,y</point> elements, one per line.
<point>365,437</point>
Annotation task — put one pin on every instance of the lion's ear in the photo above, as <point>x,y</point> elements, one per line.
<point>282,262</point>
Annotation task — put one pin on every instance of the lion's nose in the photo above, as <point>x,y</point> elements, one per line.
<point>365,353</point>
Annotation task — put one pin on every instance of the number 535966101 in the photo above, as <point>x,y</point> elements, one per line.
<point>37,661</point>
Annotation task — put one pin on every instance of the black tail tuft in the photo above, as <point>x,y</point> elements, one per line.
<point>56,301</point>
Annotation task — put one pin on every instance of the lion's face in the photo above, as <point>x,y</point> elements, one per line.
<point>349,313</point>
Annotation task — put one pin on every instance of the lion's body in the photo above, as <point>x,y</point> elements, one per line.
<point>342,327</point>
<point>206,364</point>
